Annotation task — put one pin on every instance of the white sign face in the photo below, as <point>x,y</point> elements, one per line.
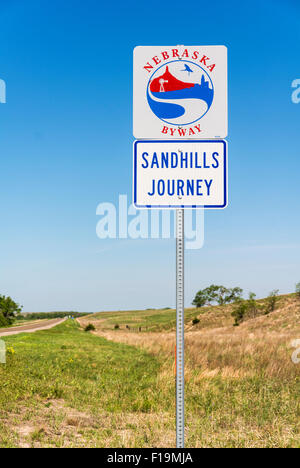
<point>180,174</point>
<point>180,92</point>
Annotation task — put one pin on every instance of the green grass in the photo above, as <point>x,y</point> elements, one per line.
<point>54,359</point>
<point>67,388</point>
<point>86,372</point>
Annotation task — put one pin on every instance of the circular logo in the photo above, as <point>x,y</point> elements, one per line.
<point>180,92</point>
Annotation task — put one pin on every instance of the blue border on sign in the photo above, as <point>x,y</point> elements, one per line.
<point>179,206</point>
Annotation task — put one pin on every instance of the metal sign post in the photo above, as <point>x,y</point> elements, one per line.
<point>180,328</point>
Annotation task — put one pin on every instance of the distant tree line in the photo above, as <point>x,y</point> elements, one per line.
<point>10,311</point>
<point>51,315</point>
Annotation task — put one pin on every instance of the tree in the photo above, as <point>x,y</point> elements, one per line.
<point>9,309</point>
<point>218,294</point>
<point>3,322</point>
<point>226,296</point>
<point>212,293</point>
<point>200,299</point>
<point>271,301</point>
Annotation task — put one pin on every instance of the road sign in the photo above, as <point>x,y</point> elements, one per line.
<point>180,174</point>
<point>180,104</point>
<point>180,92</point>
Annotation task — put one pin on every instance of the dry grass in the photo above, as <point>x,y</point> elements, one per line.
<point>58,425</point>
<point>242,388</point>
<point>262,344</point>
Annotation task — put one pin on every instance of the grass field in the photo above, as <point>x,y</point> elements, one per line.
<point>64,387</point>
<point>115,388</point>
<point>148,320</point>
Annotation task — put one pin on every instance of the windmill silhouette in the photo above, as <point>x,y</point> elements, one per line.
<point>187,69</point>
<point>162,82</point>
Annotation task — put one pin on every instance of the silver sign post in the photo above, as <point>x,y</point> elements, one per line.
<point>180,328</point>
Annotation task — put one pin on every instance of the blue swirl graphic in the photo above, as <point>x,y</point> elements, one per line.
<point>196,92</point>
<point>164,110</point>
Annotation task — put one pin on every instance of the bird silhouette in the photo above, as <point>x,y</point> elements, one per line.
<point>187,69</point>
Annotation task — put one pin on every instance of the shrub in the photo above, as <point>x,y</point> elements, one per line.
<point>298,289</point>
<point>245,309</point>
<point>252,306</point>
<point>239,312</point>
<point>117,327</point>
<point>195,321</point>
<point>89,327</point>
<point>271,301</point>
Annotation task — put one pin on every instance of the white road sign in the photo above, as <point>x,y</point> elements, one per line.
<point>180,174</point>
<point>180,92</point>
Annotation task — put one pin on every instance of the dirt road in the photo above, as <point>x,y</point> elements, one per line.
<point>32,327</point>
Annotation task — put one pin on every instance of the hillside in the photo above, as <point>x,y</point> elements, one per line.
<point>116,389</point>
<point>240,381</point>
<point>214,345</point>
<point>286,315</point>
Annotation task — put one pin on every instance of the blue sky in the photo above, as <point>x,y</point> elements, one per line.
<point>66,138</point>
